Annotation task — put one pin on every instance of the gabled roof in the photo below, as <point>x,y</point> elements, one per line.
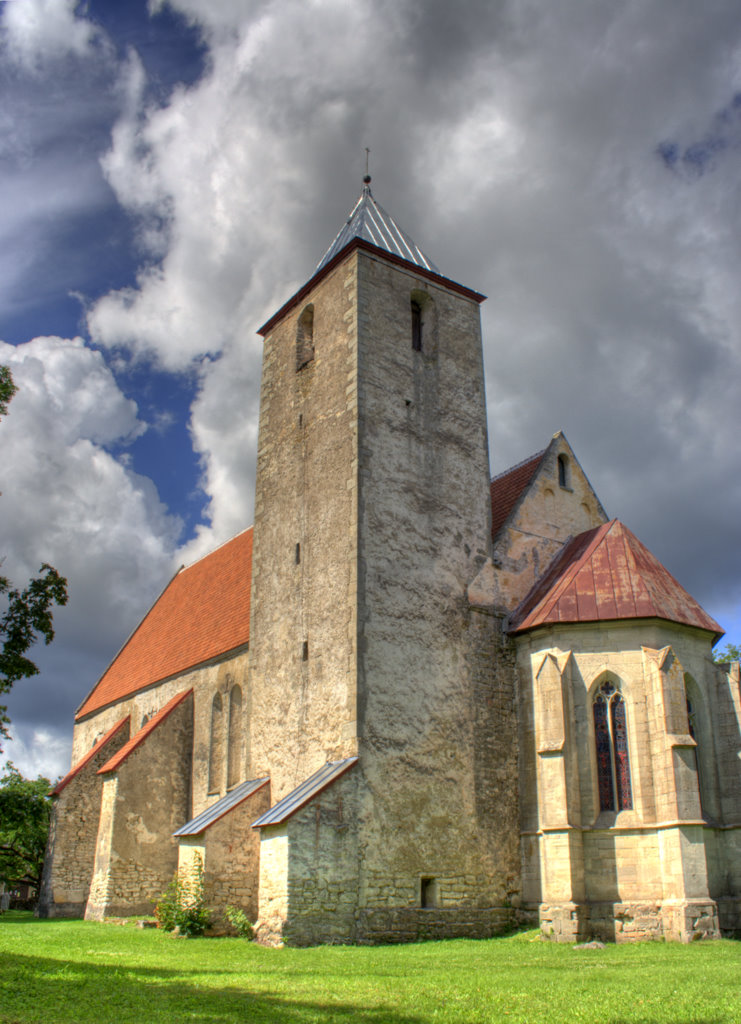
<point>202,613</point>
<point>303,793</point>
<point>607,574</point>
<point>216,811</point>
<point>118,758</point>
<point>370,222</point>
<point>95,749</point>
<point>508,487</point>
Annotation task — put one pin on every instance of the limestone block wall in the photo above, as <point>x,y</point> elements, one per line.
<point>73,830</point>
<point>304,563</point>
<point>230,856</point>
<point>216,677</point>
<point>309,870</point>
<point>579,860</point>
<point>438,762</point>
<point>144,801</point>
<point>548,515</point>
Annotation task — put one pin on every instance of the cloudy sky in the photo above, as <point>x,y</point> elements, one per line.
<point>171,172</point>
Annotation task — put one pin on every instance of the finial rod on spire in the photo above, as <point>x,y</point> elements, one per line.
<point>367,178</point>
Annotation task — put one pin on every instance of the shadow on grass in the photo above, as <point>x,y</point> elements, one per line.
<point>43,989</point>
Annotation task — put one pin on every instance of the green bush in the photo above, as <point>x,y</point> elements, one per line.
<point>182,905</point>
<point>239,921</point>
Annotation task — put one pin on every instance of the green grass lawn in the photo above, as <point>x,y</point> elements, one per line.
<point>78,972</point>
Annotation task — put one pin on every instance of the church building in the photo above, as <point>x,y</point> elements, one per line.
<point>410,701</point>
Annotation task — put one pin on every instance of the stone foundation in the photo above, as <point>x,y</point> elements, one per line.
<point>635,921</point>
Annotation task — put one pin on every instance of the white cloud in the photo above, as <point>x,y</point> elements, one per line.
<point>67,500</point>
<point>37,752</point>
<point>39,31</point>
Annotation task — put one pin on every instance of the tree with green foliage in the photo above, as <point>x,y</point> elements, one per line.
<point>731,652</point>
<point>28,612</point>
<point>25,806</point>
<point>7,388</point>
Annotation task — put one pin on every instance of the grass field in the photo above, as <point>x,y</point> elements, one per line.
<point>57,972</point>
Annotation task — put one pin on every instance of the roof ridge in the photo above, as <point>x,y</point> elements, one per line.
<point>519,465</point>
<point>212,551</point>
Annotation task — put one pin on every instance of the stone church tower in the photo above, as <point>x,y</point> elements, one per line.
<point>411,701</point>
<point>372,518</point>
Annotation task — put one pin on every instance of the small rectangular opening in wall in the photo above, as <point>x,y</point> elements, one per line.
<point>416,326</point>
<point>305,651</point>
<point>298,554</point>
<point>427,892</point>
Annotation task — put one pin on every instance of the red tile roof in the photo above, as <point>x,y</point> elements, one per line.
<point>606,573</point>
<point>203,612</point>
<point>120,756</point>
<point>507,488</point>
<point>95,749</point>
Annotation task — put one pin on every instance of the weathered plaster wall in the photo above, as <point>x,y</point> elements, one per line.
<point>230,858</point>
<point>547,516</point>
<point>309,870</point>
<point>304,579</point>
<point>654,855</point>
<point>73,830</point>
<point>144,801</point>
<point>436,700</point>
<point>205,681</point>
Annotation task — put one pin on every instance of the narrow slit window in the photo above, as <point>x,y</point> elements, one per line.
<point>611,740</point>
<point>298,554</point>
<point>416,326</point>
<point>305,338</point>
<point>305,651</point>
<point>563,471</point>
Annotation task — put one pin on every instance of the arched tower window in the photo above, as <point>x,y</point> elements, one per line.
<point>611,739</point>
<point>216,752</point>
<point>563,471</point>
<point>305,338</point>
<point>234,756</point>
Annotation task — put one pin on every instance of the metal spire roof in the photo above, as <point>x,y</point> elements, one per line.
<point>370,221</point>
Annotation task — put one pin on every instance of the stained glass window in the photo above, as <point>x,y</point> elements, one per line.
<point>611,739</point>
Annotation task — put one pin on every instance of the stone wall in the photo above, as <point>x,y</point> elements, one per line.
<point>436,712</point>
<point>655,864</point>
<point>304,564</point>
<point>309,870</point>
<point>230,857</point>
<point>217,677</point>
<point>144,801</point>
<point>73,830</point>
<point>547,516</point>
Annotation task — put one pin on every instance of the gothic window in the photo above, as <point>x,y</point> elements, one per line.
<point>692,722</point>
<point>305,338</point>
<point>233,772</point>
<point>611,739</point>
<point>563,471</point>
<point>216,752</point>
<point>416,326</point>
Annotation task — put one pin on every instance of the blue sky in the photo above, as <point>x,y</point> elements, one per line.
<point>170,173</point>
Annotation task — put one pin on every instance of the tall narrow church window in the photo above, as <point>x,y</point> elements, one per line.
<point>611,739</point>
<point>692,725</point>
<point>563,471</point>
<point>216,751</point>
<point>416,326</point>
<point>234,755</point>
<point>305,338</point>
